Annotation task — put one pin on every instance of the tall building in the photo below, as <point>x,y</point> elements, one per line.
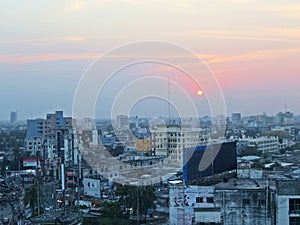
<point>286,118</point>
<point>52,137</point>
<point>122,121</point>
<point>13,116</point>
<point>236,118</point>
<point>87,133</point>
<point>170,140</point>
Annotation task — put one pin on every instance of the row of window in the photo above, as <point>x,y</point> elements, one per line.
<point>294,220</point>
<point>201,200</point>
<point>260,202</point>
<point>294,206</point>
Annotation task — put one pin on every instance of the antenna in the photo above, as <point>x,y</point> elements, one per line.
<point>285,108</point>
<point>169,98</point>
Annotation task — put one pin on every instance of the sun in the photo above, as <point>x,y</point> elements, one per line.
<point>200,92</point>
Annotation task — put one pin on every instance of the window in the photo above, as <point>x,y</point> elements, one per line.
<point>246,201</point>
<point>294,205</point>
<point>261,202</point>
<point>210,200</point>
<point>199,199</point>
<point>294,220</point>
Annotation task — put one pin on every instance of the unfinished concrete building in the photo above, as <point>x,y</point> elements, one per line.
<point>234,202</point>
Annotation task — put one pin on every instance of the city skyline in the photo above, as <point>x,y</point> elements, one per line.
<point>166,117</point>
<point>250,46</point>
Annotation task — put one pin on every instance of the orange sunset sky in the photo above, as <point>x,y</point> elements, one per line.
<point>251,46</point>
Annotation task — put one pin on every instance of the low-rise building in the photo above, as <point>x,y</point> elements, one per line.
<point>262,144</point>
<point>234,202</point>
<point>94,185</point>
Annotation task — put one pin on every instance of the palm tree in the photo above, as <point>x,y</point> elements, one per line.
<point>140,199</point>
<point>146,198</point>
<point>30,198</point>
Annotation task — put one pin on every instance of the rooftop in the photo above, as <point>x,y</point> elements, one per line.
<point>246,184</point>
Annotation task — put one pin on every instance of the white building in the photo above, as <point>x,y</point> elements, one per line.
<point>192,204</point>
<point>288,202</point>
<point>264,144</point>
<point>170,140</point>
<point>122,121</point>
<point>94,185</point>
<point>234,202</point>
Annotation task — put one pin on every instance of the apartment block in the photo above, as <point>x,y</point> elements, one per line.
<point>169,141</point>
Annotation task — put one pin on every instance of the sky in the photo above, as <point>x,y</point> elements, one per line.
<point>251,47</point>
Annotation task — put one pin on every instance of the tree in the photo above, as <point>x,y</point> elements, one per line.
<point>30,198</point>
<point>146,199</point>
<point>111,213</point>
<point>112,210</point>
<point>140,199</point>
<point>106,220</point>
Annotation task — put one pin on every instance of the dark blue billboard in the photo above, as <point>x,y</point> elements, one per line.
<point>204,161</point>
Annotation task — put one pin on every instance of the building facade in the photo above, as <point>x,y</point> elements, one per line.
<point>13,116</point>
<point>264,144</point>
<point>169,141</point>
<point>233,202</point>
<point>288,202</point>
<point>52,137</point>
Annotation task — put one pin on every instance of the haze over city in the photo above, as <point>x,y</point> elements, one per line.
<point>155,112</point>
<point>252,47</point>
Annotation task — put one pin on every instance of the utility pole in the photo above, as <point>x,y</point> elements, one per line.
<point>137,203</point>
<point>38,188</point>
<point>78,178</point>
<point>63,185</point>
<point>169,99</point>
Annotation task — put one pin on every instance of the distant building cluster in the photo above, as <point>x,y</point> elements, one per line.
<point>210,170</point>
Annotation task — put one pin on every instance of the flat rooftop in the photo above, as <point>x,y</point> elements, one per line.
<point>246,184</point>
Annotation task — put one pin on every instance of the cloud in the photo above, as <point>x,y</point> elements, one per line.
<point>208,58</point>
<point>48,57</point>
<point>75,6</point>
<point>20,58</point>
<point>74,38</point>
<point>33,58</point>
<point>271,34</point>
<point>257,55</point>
